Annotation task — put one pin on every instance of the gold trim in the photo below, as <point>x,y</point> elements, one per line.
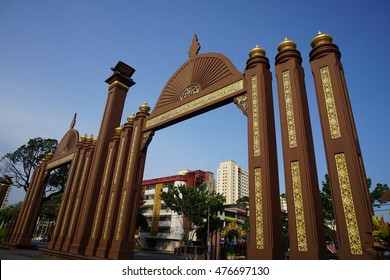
<point>86,163</point>
<point>255,117</point>
<point>120,217</point>
<point>348,205</point>
<point>97,216</point>
<point>195,104</point>
<point>65,218</point>
<point>119,160</point>
<point>75,209</point>
<point>60,161</point>
<point>117,83</point>
<point>107,167</point>
<point>334,126</point>
<point>292,136</point>
<point>259,210</point>
<point>298,206</point>
<point>108,217</point>
<point>132,151</point>
<point>73,186</point>
<point>233,226</point>
<point>63,204</point>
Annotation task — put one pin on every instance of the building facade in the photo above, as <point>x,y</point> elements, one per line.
<point>232,181</point>
<point>165,227</point>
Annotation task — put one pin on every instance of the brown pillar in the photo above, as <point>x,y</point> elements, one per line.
<point>21,216</point>
<point>114,196</point>
<point>103,193</point>
<point>305,223</point>
<point>63,215</point>
<point>123,243</point>
<point>119,83</point>
<point>68,203</point>
<point>5,184</point>
<point>33,205</point>
<point>347,177</point>
<point>80,190</point>
<point>264,200</point>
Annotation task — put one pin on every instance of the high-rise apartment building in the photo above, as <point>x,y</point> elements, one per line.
<point>232,181</point>
<point>165,227</point>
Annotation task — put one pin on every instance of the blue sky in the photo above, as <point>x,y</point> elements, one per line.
<point>55,56</point>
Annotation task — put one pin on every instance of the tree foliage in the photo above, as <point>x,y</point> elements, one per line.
<point>376,193</point>
<point>326,201</point>
<point>10,211</point>
<point>196,205</point>
<point>21,163</point>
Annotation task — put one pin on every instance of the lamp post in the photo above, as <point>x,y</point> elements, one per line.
<point>208,232</point>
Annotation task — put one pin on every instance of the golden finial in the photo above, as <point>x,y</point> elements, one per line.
<point>118,130</point>
<point>321,39</point>
<point>84,137</point>
<point>94,140</point>
<point>131,118</point>
<point>287,44</point>
<point>144,107</point>
<point>256,51</point>
<point>89,138</point>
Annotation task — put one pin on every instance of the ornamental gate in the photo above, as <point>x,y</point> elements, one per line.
<point>98,212</point>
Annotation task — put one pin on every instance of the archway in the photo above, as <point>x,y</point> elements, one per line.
<point>22,231</point>
<point>98,214</point>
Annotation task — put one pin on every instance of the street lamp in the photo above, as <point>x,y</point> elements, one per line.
<point>208,232</point>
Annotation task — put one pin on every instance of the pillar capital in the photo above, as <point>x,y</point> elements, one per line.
<point>143,110</point>
<point>121,76</point>
<point>257,56</point>
<point>287,49</point>
<point>322,45</point>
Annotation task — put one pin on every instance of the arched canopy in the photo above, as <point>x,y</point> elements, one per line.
<point>202,83</point>
<point>66,148</point>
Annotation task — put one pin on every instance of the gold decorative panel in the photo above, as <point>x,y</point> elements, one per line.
<point>259,210</point>
<point>348,205</point>
<point>120,217</point>
<point>334,126</point>
<point>84,174</point>
<point>233,227</point>
<point>97,216</point>
<point>190,90</point>
<point>59,162</point>
<point>119,158</point>
<point>65,217</point>
<point>72,219</point>
<point>196,104</point>
<point>108,217</point>
<point>255,117</point>
<point>292,136</point>
<point>107,167</point>
<point>132,151</point>
<point>298,206</point>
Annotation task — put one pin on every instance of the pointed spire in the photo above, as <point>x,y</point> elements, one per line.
<point>195,47</point>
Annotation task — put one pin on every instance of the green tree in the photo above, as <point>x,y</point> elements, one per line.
<point>376,193</point>
<point>141,219</point>
<point>51,207</point>
<point>326,201</point>
<point>194,205</point>
<point>8,212</point>
<point>21,163</point>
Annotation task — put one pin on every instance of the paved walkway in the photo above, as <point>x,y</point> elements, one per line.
<point>35,254</point>
<point>22,254</point>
